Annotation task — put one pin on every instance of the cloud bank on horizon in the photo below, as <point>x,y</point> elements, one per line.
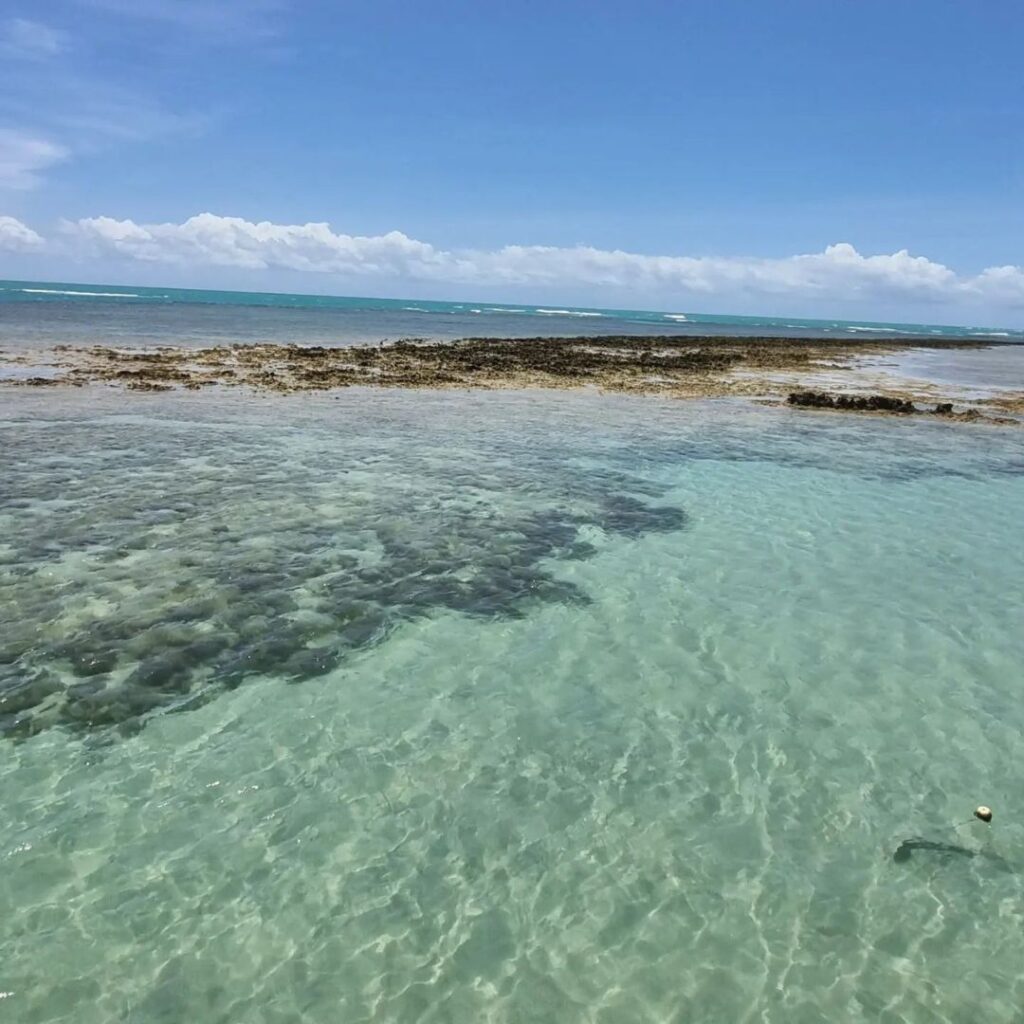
<point>210,240</point>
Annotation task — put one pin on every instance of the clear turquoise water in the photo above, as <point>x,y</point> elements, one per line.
<point>42,314</point>
<point>508,707</point>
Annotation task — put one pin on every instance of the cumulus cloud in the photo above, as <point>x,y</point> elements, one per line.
<point>234,242</point>
<point>840,271</point>
<point>17,237</point>
<point>23,156</point>
<point>31,40</point>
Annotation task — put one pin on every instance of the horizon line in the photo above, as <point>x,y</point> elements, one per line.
<point>532,307</point>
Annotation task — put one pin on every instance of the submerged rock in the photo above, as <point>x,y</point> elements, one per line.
<point>20,692</point>
<point>189,612</point>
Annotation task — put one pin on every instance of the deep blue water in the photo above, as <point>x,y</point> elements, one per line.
<point>41,314</point>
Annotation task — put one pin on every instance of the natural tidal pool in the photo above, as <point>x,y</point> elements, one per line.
<point>510,706</point>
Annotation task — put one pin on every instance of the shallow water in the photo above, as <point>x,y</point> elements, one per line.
<point>510,706</point>
<point>973,373</point>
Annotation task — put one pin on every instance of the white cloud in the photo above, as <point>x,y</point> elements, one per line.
<point>1004,285</point>
<point>17,237</point>
<point>23,156</point>
<point>21,38</point>
<point>234,242</point>
<point>839,272</point>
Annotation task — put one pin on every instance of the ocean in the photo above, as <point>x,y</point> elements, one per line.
<point>43,314</point>
<point>384,705</point>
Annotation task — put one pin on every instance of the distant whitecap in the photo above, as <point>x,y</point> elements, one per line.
<point>91,295</point>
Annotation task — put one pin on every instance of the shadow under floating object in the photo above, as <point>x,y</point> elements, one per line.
<point>947,850</point>
<point>950,851</point>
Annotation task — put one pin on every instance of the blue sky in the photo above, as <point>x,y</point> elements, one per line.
<point>708,155</point>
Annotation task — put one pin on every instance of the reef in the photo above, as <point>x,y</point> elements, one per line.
<point>888,404</point>
<point>861,403</point>
<point>764,369</point>
<point>680,366</point>
<point>339,577</point>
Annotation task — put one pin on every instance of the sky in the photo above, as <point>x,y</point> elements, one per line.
<point>851,158</point>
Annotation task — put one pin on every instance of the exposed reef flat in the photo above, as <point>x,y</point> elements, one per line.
<point>681,367</point>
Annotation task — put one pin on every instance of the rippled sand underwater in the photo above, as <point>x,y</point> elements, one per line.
<point>508,707</point>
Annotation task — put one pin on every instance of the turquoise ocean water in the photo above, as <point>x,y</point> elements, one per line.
<point>505,707</point>
<point>43,314</point>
